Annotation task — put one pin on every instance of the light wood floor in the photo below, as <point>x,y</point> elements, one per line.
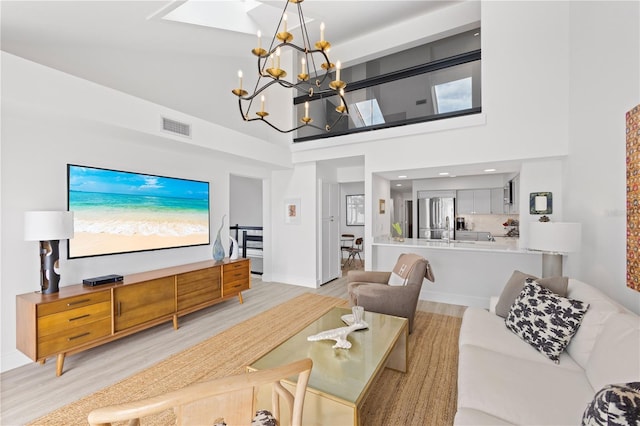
<point>33,390</point>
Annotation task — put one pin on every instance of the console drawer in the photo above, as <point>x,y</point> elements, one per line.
<point>61,321</point>
<point>72,303</point>
<point>67,339</point>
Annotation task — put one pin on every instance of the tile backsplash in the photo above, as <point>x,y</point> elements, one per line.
<point>489,222</point>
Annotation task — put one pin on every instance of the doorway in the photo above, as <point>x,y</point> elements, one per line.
<point>245,218</point>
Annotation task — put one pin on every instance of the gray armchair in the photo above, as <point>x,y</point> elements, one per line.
<point>370,290</point>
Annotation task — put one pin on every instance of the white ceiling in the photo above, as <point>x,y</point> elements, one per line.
<point>28,27</point>
<point>119,44</point>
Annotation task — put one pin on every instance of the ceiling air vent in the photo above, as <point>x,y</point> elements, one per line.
<point>176,127</point>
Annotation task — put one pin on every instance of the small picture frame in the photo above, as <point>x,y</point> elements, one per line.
<point>381,206</point>
<point>540,203</point>
<point>292,211</point>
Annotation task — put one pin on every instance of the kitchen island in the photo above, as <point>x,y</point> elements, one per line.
<point>467,272</point>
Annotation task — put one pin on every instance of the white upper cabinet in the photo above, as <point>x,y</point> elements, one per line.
<point>474,201</point>
<point>498,205</point>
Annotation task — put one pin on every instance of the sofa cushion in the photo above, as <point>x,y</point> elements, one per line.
<point>545,320</point>
<point>471,417</point>
<point>486,330</point>
<point>514,286</point>
<point>601,308</point>
<point>616,354</point>
<point>520,391</point>
<point>614,405</point>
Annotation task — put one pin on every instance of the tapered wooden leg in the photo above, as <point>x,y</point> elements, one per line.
<point>59,365</point>
<point>42,361</point>
<point>175,322</point>
<point>240,297</point>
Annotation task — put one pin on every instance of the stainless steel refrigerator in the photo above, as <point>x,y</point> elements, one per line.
<point>436,218</point>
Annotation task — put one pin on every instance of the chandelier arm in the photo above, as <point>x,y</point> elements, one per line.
<point>257,90</point>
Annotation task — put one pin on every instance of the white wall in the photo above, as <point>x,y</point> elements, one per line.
<point>245,204</point>
<point>557,80</point>
<point>294,245</point>
<point>605,84</point>
<point>50,119</point>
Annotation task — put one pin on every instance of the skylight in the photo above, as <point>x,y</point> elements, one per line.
<point>366,113</point>
<point>453,96</point>
<point>247,16</point>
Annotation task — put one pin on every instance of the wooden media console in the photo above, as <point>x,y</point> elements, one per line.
<point>79,317</point>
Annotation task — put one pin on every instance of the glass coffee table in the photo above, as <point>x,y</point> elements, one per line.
<point>341,378</point>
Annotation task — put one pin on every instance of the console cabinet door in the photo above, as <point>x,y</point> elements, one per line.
<point>198,287</point>
<point>137,304</point>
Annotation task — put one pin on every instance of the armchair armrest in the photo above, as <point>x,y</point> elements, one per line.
<point>400,301</point>
<point>368,277</point>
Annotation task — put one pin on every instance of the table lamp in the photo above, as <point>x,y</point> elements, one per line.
<point>48,227</point>
<point>554,239</point>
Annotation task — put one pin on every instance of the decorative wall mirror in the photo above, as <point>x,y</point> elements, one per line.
<point>355,210</point>
<point>540,203</point>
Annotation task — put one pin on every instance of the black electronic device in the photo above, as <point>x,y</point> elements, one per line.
<point>106,279</point>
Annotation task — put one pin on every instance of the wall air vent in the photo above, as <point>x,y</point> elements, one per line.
<point>176,127</point>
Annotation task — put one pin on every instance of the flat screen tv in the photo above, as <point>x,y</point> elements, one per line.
<point>122,212</point>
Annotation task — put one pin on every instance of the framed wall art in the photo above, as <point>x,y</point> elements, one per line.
<point>292,211</point>
<point>633,197</point>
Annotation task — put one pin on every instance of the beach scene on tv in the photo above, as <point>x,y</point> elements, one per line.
<point>120,212</point>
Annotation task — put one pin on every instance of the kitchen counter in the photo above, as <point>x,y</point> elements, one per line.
<point>502,244</point>
<point>467,272</point>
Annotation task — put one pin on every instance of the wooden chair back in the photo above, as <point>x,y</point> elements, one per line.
<point>229,398</point>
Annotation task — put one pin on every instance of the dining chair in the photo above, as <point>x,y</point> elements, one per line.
<point>226,400</point>
<point>355,251</point>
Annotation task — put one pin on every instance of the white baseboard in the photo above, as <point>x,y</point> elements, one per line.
<point>11,360</point>
<point>454,299</point>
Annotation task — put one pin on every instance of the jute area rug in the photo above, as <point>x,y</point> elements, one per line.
<point>426,395</point>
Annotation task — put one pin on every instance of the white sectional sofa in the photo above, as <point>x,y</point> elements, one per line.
<point>502,380</point>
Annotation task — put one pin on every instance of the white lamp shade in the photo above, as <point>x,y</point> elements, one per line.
<point>556,237</point>
<point>48,225</point>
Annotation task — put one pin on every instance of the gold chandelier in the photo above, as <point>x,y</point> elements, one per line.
<point>309,80</point>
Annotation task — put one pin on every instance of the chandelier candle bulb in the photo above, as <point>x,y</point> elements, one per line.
<point>284,23</point>
<point>240,78</point>
<point>278,58</point>
<point>262,103</point>
<point>306,109</point>
<point>259,40</point>
<point>338,70</point>
<point>322,31</point>
<point>303,66</point>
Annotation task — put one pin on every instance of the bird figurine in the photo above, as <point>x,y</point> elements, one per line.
<point>338,334</point>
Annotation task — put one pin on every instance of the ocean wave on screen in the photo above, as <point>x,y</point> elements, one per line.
<point>140,228</point>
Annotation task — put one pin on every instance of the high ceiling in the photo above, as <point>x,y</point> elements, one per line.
<point>129,47</point>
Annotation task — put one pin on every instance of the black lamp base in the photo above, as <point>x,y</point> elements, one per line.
<point>49,256</point>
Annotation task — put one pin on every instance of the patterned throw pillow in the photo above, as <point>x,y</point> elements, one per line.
<point>545,320</point>
<point>614,405</point>
<point>262,418</point>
